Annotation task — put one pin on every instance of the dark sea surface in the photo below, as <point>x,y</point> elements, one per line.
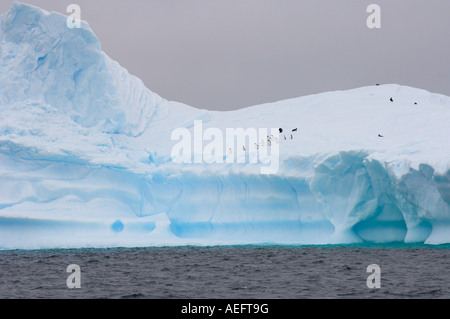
<point>228,272</point>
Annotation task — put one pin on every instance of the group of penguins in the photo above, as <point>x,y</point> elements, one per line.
<point>274,139</point>
<point>270,139</point>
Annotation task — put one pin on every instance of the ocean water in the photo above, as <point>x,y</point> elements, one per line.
<point>228,272</point>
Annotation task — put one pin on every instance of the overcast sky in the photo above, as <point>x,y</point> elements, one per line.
<point>228,54</point>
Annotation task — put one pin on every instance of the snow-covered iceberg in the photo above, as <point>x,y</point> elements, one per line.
<point>86,157</point>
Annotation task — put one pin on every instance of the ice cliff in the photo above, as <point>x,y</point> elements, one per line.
<point>86,157</point>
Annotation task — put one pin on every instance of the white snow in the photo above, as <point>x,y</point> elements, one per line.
<point>85,157</point>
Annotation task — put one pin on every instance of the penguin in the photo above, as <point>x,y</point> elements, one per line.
<point>284,137</point>
<point>377,84</point>
<point>291,137</point>
<point>280,130</point>
<point>243,148</point>
<point>379,135</point>
<point>415,103</point>
<point>391,99</point>
<point>294,130</point>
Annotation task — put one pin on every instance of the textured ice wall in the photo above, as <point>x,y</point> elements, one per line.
<point>42,59</point>
<point>348,199</point>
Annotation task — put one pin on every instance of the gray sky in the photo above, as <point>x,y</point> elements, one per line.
<point>228,54</point>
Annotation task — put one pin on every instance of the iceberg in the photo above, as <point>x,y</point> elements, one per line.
<point>87,160</point>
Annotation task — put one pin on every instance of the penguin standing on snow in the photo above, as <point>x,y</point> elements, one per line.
<point>280,130</point>
<point>379,135</point>
<point>294,130</point>
<point>391,99</point>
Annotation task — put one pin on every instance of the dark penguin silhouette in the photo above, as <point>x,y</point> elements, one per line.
<point>415,103</point>
<point>291,137</point>
<point>294,130</point>
<point>377,84</point>
<point>379,135</point>
<point>392,100</point>
<point>281,130</point>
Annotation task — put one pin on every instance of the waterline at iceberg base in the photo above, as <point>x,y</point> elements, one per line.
<point>85,157</point>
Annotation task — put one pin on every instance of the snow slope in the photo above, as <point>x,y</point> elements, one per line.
<point>86,157</point>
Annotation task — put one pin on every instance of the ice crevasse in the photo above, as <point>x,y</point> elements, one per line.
<point>85,157</point>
